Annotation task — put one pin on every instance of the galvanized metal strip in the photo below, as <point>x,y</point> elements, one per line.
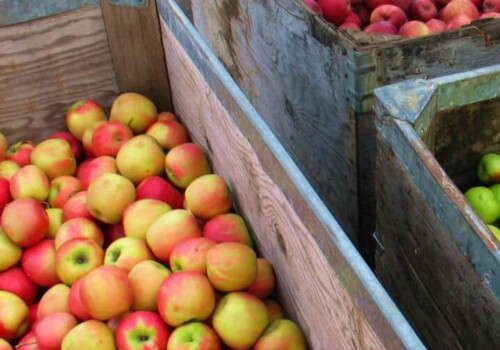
<point>351,265</point>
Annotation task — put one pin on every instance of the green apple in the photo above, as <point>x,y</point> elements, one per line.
<point>10,252</point>
<point>126,252</point>
<point>281,334</point>
<point>141,214</point>
<point>14,319</point>
<point>55,221</point>
<point>488,169</point>
<point>495,230</point>
<point>194,336</point>
<point>89,335</point>
<point>484,203</point>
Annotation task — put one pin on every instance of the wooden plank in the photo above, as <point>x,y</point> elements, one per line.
<point>142,68</point>
<point>46,65</point>
<point>323,282</point>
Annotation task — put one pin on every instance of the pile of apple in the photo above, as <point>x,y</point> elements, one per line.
<point>117,235</point>
<point>408,18</point>
<point>485,199</point>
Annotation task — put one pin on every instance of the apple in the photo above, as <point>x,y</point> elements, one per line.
<point>114,322</point>
<point>335,11</point>
<point>403,4</point>
<point>4,345</point>
<point>281,334</point>
<point>16,281</point>
<point>423,10</point>
<point>33,314</point>
<point>5,195</point>
<point>190,255</point>
<point>3,146</point>
<point>163,116</point>
<point>75,303</point>
<point>87,138</point>
<point>83,114</point>
<point>127,252</point>
<point>491,6</point>
<point>229,227</point>
<point>38,263</point>
<point>89,335</point>
<point>181,226</point>
<point>54,157</point>
<point>185,296</point>
<point>459,7</point>
<point>93,168</point>
<point>208,196</point>
<point>78,228</point>
<point>20,153</point>
<point>76,146</point>
<point>108,196</point>
<point>54,300</point>
<point>436,25</point>
<point>382,27</point>
<point>194,336</point>
<point>61,189</point>
<point>134,110</point>
<point>8,168</point>
<point>458,22</point>
<point>495,231</point>
<point>51,331</point>
<point>29,182</point>
<point>155,187</point>
<point>146,278</point>
<point>484,203</point>
<point>353,17</point>
<point>76,207</point>
<point>412,29</point>
<point>14,313</point>
<point>363,13</point>
<point>185,163</point>
<point>389,13</point>
<point>139,158</point>
<point>9,251</point>
<point>142,330</point>
<point>28,342</point>
<point>239,319</point>
<point>109,137</point>
<point>314,6</point>
<point>22,229</point>
<point>106,292</point>
<point>139,215</point>
<point>77,257</point>
<point>231,266</point>
<point>274,310</point>
<point>265,282</point>
<point>349,25</point>
<point>489,15</point>
<point>168,134</point>
<point>112,232</point>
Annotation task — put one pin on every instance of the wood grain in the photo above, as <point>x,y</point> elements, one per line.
<point>46,65</point>
<point>312,292</point>
<point>135,41</point>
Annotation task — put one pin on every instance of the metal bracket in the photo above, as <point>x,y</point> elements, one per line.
<point>129,3</point>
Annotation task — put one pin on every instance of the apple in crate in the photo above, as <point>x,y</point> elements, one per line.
<point>281,334</point>
<point>142,330</point>
<point>436,25</point>
<point>484,203</point>
<point>38,262</point>
<point>9,251</point>
<point>16,281</point>
<point>5,195</point>
<point>274,310</point>
<point>488,169</point>
<point>25,230</point>
<point>87,138</point>
<point>54,157</point>
<point>389,13</point>
<point>229,227</point>
<point>77,257</point>
<point>109,137</point>
<point>168,134</point>
<point>134,110</point>
<point>382,27</point>
<point>112,232</point>
<point>76,146</point>
<point>54,300</point>
<point>146,278</point>
<point>141,214</point>
<point>265,281</point>
<point>8,168</point>
<point>423,10</point>
<point>93,168</point>
<point>489,15</point>
<point>335,11</point>
<point>78,228</point>
<point>61,189</point>
<point>83,114</point>
<point>166,116</point>
<point>89,335</point>
<point>106,292</point>
<point>29,182</point>
<point>51,331</point>
<point>4,345</point>
<point>414,29</point>
<point>28,342</point>
<point>192,336</point>
<point>458,22</point>
<point>76,207</point>
<point>190,255</point>
<point>75,303</point>
<point>155,187</point>
<point>185,163</point>
<point>239,319</point>
<point>459,7</point>
<point>185,296</point>
<point>208,196</point>
<point>108,196</point>
<point>491,6</point>
<point>55,221</point>
<point>127,252</point>
<point>14,313</point>
<point>20,153</point>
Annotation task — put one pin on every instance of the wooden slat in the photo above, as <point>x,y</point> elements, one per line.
<point>135,41</point>
<point>46,65</point>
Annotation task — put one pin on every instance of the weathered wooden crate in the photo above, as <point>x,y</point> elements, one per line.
<point>313,85</point>
<point>99,50</point>
<point>439,260</point>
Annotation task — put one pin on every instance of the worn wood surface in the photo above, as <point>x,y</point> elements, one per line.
<point>322,280</point>
<point>48,64</point>
<point>448,303</point>
<point>135,40</point>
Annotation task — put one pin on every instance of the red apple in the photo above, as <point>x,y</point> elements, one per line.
<point>229,227</point>
<point>77,257</point>
<point>38,263</point>
<point>489,15</point>
<point>335,11</point>
<point>54,157</point>
<point>139,215</point>
<point>423,10</point>
<point>185,163</point>
<point>349,25</point>
<point>81,115</point>
<point>142,330</point>
<point>190,255</point>
<point>265,282</point>
<point>29,182</point>
<point>109,137</point>
<point>166,116</point>
<point>5,345</point>
<point>89,335</point>
<point>194,335</point>
<point>75,303</point>
<point>33,316</point>
<point>155,187</point>
<point>25,221</point>
<point>458,22</point>
<point>413,29</point>
<point>127,252</point>
<point>382,27</point>
<point>28,342</point>
<point>363,13</point>
<point>436,25</point>
<point>53,301</point>
<point>9,251</point>
<point>51,331</point>
<point>93,168</point>
<point>5,195</point>
<point>20,153</point>
<point>146,278</point>
<point>403,4</point>
<point>13,316</point>
<point>61,189</point>
<point>112,232</point>
<point>459,7</point>
<point>17,282</point>
<point>208,196</point>
<point>353,18</point>
<point>314,6</point>
<point>168,134</point>
<point>274,310</point>
<point>76,146</point>
<point>78,228</point>
<point>389,13</point>
<point>87,138</point>
<point>491,6</point>
<point>76,207</point>
<point>134,110</point>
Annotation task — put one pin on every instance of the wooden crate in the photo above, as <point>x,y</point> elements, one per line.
<point>439,260</point>
<point>150,47</point>
<point>313,85</point>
